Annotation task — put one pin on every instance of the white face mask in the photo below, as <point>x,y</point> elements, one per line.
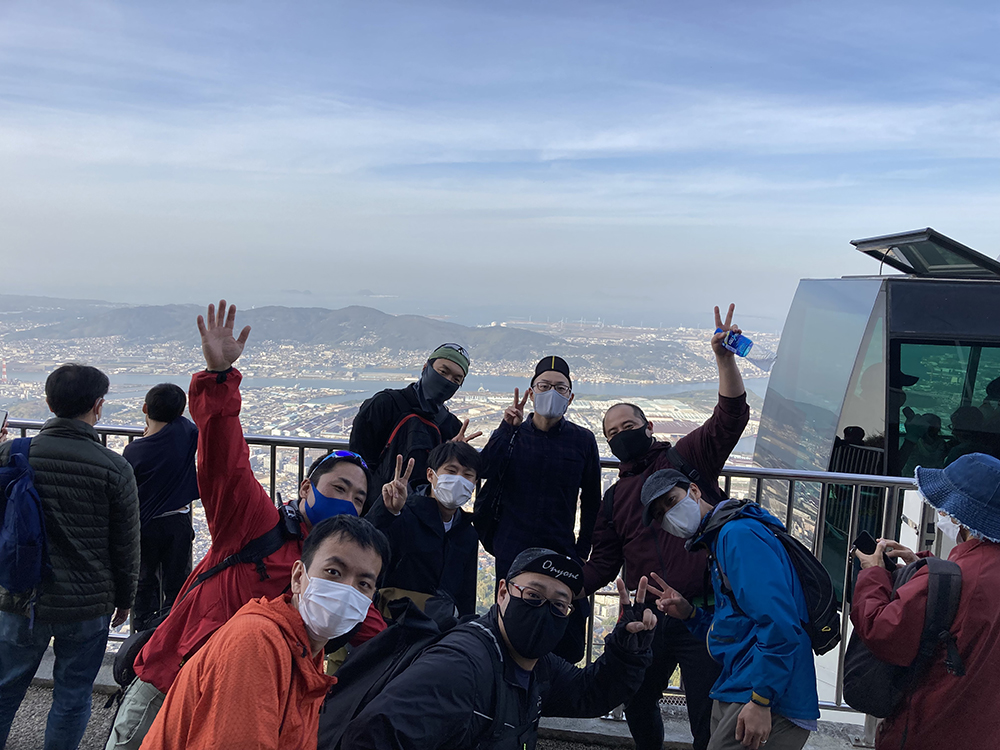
<point>683,519</point>
<point>551,404</point>
<point>452,490</point>
<point>947,526</point>
<point>330,609</point>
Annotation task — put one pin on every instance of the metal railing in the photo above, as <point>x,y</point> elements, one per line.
<point>734,479</point>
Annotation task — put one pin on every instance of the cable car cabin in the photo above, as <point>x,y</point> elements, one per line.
<point>879,375</point>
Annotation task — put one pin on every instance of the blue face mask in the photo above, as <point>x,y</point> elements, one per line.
<point>325,507</point>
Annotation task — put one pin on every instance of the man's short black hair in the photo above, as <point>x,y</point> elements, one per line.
<point>464,453</point>
<point>639,414</point>
<point>326,463</point>
<point>352,528</point>
<point>73,389</point>
<point>165,402</point>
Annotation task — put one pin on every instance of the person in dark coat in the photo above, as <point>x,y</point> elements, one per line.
<point>91,514</point>
<point>164,464</point>
<point>546,467</point>
<point>434,546</point>
<point>487,683</point>
<point>623,539</point>
<point>943,709</point>
<point>413,419</point>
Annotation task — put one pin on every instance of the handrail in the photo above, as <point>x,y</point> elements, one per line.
<point>894,487</point>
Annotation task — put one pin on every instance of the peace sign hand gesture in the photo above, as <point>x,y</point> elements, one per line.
<point>717,339</point>
<point>461,437</point>
<point>217,342</point>
<point>394,493</point>
<point>635,614</point>
<point>514,414</point>
<point>669,600</point>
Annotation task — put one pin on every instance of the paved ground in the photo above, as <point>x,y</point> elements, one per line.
<point>28,730</point>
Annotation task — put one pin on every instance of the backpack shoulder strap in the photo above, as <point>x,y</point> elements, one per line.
<point>254,551</point>
<point>944,592</point>
<point>685,468</point>
<point>501,698</point>
<point>607,504</point>
<point>20,446</point>
<point>400,400</point>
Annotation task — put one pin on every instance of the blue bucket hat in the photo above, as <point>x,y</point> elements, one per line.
<point>968,490</point>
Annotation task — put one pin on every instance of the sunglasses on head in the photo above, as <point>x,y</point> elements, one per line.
<point>346,455</point>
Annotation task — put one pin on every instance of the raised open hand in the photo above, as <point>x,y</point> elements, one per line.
<point>514,414</point>
<point>461,437</point>
<point>727,326</point>
<point>669,600</point>
<point>394,493</point>
<point>217,342</point>
<point>636,615</point>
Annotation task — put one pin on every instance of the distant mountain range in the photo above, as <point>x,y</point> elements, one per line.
<point>63,320</point>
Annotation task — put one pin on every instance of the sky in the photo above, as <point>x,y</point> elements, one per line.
<point>631,162</point>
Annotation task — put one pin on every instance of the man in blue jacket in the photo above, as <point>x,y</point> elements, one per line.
<point>767,689</point>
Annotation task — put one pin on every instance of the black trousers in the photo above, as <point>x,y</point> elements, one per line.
<point>674,645</point>
<point>164,565</point>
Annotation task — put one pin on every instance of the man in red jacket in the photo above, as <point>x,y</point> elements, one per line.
<point>944,710</point>
<point>238,510</point>
<point>624,539</point>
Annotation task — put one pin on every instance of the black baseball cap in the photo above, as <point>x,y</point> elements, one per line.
<point>657,485</point>
<point>552,364</point>
<point>548,563</point>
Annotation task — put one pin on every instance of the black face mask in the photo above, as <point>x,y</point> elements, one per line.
<point>628,445</point>
<point>532,631</point>
<point>435,387</point>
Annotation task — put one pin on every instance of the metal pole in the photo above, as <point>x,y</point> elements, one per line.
<point>590,632</point>
<point>758,490</point>
<point>729,485</point>
<point>274,470</point>
<point>824,491</point>
<point>791,506</point>
<point>845,610</point>
<point>302,463</point>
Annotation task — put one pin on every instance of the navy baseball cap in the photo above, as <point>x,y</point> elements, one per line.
<point>548,563</point>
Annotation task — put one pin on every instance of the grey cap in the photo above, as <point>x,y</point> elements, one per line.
<point>658,484</point>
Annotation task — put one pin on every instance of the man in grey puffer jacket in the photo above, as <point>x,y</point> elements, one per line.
<point>91,512</point>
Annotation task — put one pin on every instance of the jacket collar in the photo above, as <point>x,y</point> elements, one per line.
<point>639,465</point>
<point>60,427</point>
<point>425,508</point>
<point>529,424</point>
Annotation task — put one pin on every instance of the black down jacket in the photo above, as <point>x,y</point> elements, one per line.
<point>92,522</point>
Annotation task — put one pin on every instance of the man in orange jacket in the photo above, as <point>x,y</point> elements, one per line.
<point>259,681</point>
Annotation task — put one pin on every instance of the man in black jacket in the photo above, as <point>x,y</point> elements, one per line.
<point>91,513</point>
<point>435,548</point>
<point>163,462</point>
<point>411,421</point>
<point>488,682</point>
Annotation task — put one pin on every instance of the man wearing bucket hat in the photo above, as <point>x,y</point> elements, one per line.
<point>487,682</point>
<point>944,709</point>
<point>410,422</point>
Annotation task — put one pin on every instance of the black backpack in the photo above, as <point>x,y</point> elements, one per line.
<point>877,688</point>
<point>823,625</point>
<point>412,434</point>
<point>487,509</point>
<point>288,527</point>
<point>377,661</point>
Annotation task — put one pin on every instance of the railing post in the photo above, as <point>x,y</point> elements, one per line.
<point>590,632</point>
<point>791,506</point>
<point>729,485</point>
<point>302,464</point>
<point>824,491</point>
<point>845,609</point>
<point>274,471</point>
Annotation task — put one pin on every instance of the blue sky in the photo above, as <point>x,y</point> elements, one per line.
<point>630,161</point>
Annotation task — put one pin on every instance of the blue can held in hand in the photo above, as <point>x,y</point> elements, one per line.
<point>737,343</point>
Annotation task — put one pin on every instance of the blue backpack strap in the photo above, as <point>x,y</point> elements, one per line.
<point>20,446</point>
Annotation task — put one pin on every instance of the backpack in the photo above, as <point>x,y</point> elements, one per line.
<point>877,688</point>
<point>823,625</point>
<point>253,552</point>
<point>412,434</point>
<point>376,662</point>
<point>24,548</point>
<point>487,509</point>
